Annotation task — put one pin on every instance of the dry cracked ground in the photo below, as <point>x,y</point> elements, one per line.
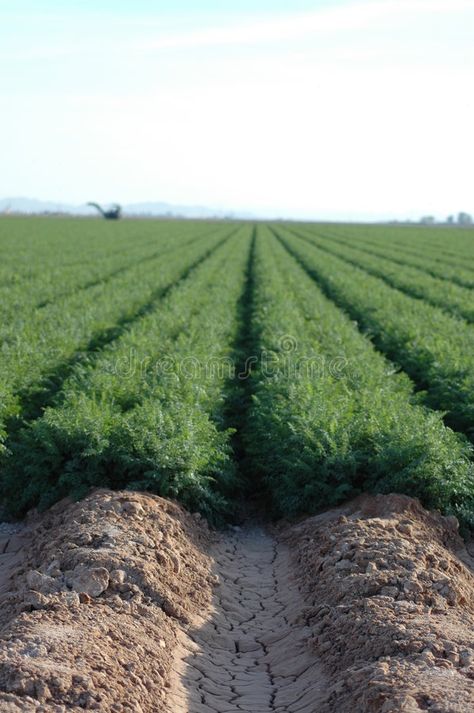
<point>246,654</point>
<point>124,602</point>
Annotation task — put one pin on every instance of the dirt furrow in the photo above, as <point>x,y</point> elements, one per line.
<point>246,654</point>
<point>125,603</point>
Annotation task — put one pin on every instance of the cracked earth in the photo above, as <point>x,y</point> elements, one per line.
<point>125,603</point>
<point>247,654</point>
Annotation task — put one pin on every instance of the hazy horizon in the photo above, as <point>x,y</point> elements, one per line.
<point>349,110</point>
<point>22,205</point>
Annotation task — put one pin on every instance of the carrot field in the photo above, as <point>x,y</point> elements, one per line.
<point>298,364</point>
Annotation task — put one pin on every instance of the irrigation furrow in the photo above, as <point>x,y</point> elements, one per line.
<point>248,654</point>
<point>238,390</point>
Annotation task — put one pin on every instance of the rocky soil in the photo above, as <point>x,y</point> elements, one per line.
<point>125,603</point>
<point>91,607</point>
<point>389,592</point>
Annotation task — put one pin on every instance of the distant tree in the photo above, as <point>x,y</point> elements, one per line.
<point>464,219</point>
<point>450,219</point>
<point>428,220</point>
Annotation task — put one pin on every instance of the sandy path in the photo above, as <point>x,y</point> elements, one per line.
<point>248,654</point>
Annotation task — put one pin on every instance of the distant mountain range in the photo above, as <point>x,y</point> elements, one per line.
<point>152,209</point>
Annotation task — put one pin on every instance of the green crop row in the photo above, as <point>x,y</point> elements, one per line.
<point>39,348</point>
<point>130,379</point>
<point>416,283</point>
<point>420,253</point>
<point>149,412</point>
<point>331,417</point>
<point>50,279</point>
<point>456,270</point>
<point>435,349</point>
<point>443,243</point>
<point>30,247</point>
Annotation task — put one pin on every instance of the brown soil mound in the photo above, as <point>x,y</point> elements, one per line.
<point>389,602</point>
<point>125,603</point>
<point>95,602</point>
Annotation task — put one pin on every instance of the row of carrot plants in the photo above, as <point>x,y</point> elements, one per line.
<point>331,417</point>
<point>52,275</point>
<point>445,243</point>
<point>422,253</point>
<point>435,349</point>
<point>149,413</point>
<point>31,246</point>
<point>39,348</point>
<point>415,282</point>
<point>457,270</point>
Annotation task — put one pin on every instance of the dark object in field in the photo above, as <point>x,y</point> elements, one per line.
<point>113,213</point>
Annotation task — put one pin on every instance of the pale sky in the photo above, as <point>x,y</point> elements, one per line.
<point>322,109</point>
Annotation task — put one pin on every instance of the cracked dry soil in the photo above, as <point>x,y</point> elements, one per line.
<point>125,603</point>
<point>247,654</point>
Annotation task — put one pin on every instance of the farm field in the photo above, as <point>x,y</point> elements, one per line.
<point>271,370</point>
<point>178,357</point>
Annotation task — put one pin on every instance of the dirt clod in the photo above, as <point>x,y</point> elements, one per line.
<point>395,630</point>
<point>84,612</point>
